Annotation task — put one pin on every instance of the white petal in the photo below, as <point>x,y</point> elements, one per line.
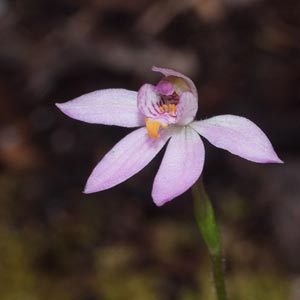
<point>181,166</point>
<point>108,107</point>
<point>187,108</point>
<point>125,159</point>
<point>239,136</point>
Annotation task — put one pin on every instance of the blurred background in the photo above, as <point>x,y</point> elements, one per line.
<point>57,243</point>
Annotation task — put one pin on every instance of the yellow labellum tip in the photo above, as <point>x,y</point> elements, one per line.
<point>153,127</point>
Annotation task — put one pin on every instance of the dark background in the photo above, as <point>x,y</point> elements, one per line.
<point>57,243</point>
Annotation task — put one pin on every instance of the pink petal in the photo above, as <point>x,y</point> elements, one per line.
<point>181,166</point>
<point>239,136</point>
<point>170,72</point>
<point>187,108</point>
<point>109,107</point>
<point>147,100</point>
<point>125,159</point>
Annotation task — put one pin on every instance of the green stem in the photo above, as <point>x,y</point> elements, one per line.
<point>218,275</point>
<point>206,221</point>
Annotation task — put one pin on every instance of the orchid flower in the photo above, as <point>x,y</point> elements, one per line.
<point>165,112</point>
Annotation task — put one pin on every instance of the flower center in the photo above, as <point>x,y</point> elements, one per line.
<point>166,107</point>
<point>161,109</point>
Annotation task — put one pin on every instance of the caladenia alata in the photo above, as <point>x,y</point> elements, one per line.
<point>165,113</point>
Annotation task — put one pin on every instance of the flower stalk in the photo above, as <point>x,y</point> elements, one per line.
<point>207,225</point>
